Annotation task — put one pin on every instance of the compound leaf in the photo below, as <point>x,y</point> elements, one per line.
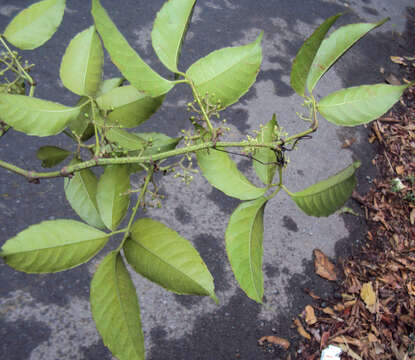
<point>51,155</point>
<point>35,116</point>
<point>221,172</point>
<point>164,257</point>
<point>266,172</point>
<point>332,48</point>
<point>305,56</point>
<point>359,104</point>
<point>325,197</point>
<point>52,246</point>
<point>81,193</point>
<point>125,139</point>
<point>128,107</point>
<point>35,25</point>
<point>81,66</point>
<point>228,73</point>
<point>244,246</point>
<point>112,195</point>
<point>169,29</point>
<point>109,84</point>
<point>135,70</point>
<point>115,309</point>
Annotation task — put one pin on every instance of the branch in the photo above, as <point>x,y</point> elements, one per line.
<point>34,176</point>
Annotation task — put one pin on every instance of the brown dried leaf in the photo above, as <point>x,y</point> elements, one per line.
<point>411,288</point>
<point>310,316</point>
<point>301,329</point>
<point>412,217</point>
<point>323,266</point>
<point>275,340</point>
<point>348,142</point>
<point>400,169</point>
<point>347,340</point>
<point>329,311</point>
<point>368,296</point>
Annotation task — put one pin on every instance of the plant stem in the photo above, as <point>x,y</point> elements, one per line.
<point>21,68</point>
<point>65,171</point>
<point>199,102</point>
<point>97,149</point>
<point>137,205</point>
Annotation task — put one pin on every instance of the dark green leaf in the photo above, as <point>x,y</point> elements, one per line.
<point>135,70</point>
<point>221,172</point>
<point>335,46</point>
<point>115,309</point>
<point>53,246</point>
<point>35,116</point>
<point>81,67</point>
<point>244,246</point>
<point>360,104</point>
<point>305,56</point>
<point>51,155</point>
<point>129,107</point>
<point>228,73</point>
<point>112,195</point>
<point>169,29</point>
<point>266,172</point>
<point>164,257</point>
<point>81,193</point>
<point>36,24</point>
<point>327,196</point>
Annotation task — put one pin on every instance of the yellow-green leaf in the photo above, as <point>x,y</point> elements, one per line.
<point>52,246</point>
<point>115,309</point>
<point>35,25</point>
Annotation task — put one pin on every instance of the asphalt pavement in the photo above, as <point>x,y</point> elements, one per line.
<point>47,317</point>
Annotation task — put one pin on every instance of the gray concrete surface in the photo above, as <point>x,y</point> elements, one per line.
<point>47,317</point>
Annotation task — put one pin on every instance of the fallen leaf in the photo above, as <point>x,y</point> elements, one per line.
<point>301,329</point>
<point>400,169</point>
<point>411,288</point>
<point>323,266</point>
<point>348,142</point>
<point>368,296</point>
<point>372,338</point>
<point>347,340</point>
<point>275,340</point>
<point>328,311</point>
<point>412,217</point>
<point>310,316</point>
<point>398,60</point>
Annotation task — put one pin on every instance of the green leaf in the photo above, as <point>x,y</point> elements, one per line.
<point>53,246</point>
<point>164,257</point>
<point>327,196</point>
<point>158,142</point>
<point>221,172</point>
<point>360,104</point>
<point>109,84</point>
<point>112,195</point>
<point>35,116</point>
<point>169,29</point>
<point>332,48</point>
<point>228,73</point>
<point>134,69</point>
<point>81,67</point>
<point>115,309</point>
<point>126,140</point>
<point>129,107</point>
<point>80,123</point>
<point>266,172</point>
<point>81,193</point>
<point>35,25</point>
<point>305,56</point>
<point>244,246</point>
<point>51,155</point>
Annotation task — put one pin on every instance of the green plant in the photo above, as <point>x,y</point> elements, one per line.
<point>106,108</point>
